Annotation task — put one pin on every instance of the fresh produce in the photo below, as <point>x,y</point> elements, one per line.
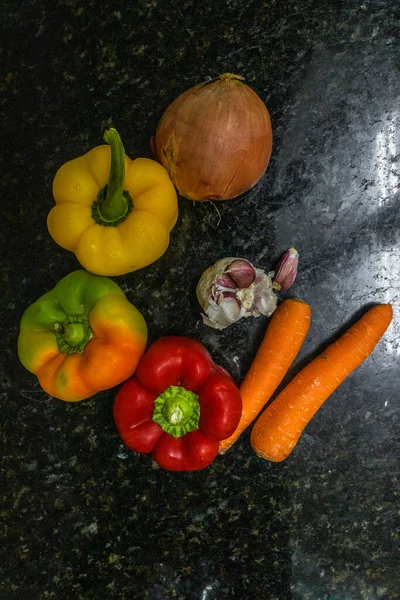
<point>233,288</point>
<point>113,213</point>
<point>279,428</point>
<point>81,337</point>
<point>282,341</point>
<point>178,406</point>
<point>215,139</point>
<point>286,270</point>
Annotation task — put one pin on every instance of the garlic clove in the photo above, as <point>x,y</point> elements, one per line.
<point>226,311</point>
<point>206,288</point>
<point>225,281</point>
<point>242,272</point>
<point>286,270</point>
<point>265,300</point>
<point>230,307</point>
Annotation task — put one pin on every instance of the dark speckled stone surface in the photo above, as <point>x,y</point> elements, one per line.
<point>82,517</point>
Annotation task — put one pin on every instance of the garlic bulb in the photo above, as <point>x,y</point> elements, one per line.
<point>233,288</point>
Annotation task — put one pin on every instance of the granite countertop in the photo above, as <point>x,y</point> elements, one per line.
<point>82,516</point>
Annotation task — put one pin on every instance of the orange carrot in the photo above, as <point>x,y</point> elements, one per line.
<point>279,428</point>
<point>284,337</point>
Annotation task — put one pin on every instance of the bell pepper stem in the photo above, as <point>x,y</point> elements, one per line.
<point>177,411</point>
<point>113,203</point>
<point>73,335</point>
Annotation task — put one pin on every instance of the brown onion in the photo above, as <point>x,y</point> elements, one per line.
<point>215,139</point>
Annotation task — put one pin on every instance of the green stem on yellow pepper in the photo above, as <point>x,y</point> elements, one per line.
<point>177,411</point>
<point>113,203</point>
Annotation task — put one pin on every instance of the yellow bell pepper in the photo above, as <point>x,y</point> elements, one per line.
<point>114,213</point>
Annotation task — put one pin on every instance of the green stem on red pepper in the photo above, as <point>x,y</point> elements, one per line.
<point>113,203</point>
<point>73,334</point>
<point>177,411</point>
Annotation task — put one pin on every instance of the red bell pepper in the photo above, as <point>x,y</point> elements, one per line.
<point>178,406</point>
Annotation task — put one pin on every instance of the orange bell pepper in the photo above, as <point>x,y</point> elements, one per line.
<point>81,337</point>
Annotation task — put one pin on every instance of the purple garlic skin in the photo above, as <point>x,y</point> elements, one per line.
<point>286,270</point>
<point>233,288</point>
<point>242,272</point>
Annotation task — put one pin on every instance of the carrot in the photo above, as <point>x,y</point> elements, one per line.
<point>279,428</point>
<point>283,339</point>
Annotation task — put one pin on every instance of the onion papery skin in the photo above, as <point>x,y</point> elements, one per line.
<point>215,139</point>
